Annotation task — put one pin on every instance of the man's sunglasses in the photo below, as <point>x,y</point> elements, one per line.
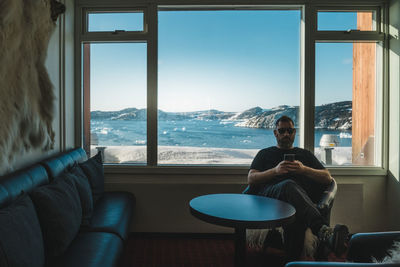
<point>283,130</point>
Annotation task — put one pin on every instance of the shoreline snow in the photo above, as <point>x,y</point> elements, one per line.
<point>182,155</point>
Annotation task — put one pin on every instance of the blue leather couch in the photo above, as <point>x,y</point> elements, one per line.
<point>98,244</point>
<point>363,248</point>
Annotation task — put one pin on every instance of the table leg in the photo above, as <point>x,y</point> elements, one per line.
<point>240,247</point>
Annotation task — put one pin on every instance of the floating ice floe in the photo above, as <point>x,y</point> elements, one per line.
<point>104,130</point>
<point>345,135</point>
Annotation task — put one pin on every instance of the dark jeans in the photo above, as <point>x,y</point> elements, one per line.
<point>307,214</point>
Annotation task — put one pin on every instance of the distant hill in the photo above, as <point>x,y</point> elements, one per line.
<point>267,118</point>
<point>336,115</point>
<point>141,114</point>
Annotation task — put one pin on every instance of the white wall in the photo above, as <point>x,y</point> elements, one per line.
<point>393,185</point>
<point>394,86</point>
<point>163,200</point>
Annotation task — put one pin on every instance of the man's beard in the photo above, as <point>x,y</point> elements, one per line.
<point>285,142</point>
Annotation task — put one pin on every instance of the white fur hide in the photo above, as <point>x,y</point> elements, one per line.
<point>394,254</point>
<point>26,92</point>
<point>310,245</point>
<point>255,239</point>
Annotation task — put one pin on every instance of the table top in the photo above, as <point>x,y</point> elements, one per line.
<point>242,210</point>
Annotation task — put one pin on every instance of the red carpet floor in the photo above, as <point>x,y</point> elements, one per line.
<point>153,251</point>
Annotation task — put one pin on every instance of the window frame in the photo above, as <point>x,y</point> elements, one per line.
<point>148,36</point>
<point>340,34</point>
<point>309,36</point>
<point>354,36</point>
<point>104,36</point>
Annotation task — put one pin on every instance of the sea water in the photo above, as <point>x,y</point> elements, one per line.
<point>197,133</point>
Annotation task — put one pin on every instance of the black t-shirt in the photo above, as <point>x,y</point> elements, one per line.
<point>270,157</point>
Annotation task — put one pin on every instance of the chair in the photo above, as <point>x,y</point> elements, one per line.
<point>324,206</point>
<point>363,247</point>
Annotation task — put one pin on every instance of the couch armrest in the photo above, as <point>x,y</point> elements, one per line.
<point>328,196</point>
<point>113,213</point>
<point>251,190</point>
<point>337,264</point>
<point>364,246</point>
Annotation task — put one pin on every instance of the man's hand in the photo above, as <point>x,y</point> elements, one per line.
<point>286,167</point>
<point>282,167</point>
<point>289,167</point>
<point>296,167</point>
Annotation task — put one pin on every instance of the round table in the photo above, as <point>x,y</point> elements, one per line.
<point>242,211</point>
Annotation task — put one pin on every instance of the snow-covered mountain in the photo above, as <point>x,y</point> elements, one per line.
<point>336,115</point>
<point>330,116</point>
<point>140,114</point>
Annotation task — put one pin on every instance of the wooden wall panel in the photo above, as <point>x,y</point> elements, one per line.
<point>364,96</point>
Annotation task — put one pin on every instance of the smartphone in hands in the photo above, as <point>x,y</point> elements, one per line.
<point>289,157</point>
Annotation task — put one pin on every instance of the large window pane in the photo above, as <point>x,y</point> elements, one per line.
<point>224,78</point>
<point>346,97</point>
<point>115,76</point>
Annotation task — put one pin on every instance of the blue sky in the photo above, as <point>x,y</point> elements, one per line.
<point>225,60</point>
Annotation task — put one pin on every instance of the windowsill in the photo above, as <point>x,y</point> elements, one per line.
<point>176,169</point>
<point>225,170</point>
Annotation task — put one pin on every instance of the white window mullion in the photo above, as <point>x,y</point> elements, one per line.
<point>326,36</point>
<point>385,104</point>
<point>152,69</point>
<point>117,37</point>
<point>302,76</point>
<point>78,109</point>
<point>308,94</point>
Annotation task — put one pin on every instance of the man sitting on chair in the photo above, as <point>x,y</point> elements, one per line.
<point>295,175</point>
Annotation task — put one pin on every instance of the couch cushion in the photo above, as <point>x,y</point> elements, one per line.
<point>60,214</point>
<point>78,154</point>
<point>22,180</point>
<point>21,242</point>
<point>57,164</point>
<point>93,168</point>
<point>92,249</point>
<point>112,213</point>
<point>4,196</point>
<point>85,193</point>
